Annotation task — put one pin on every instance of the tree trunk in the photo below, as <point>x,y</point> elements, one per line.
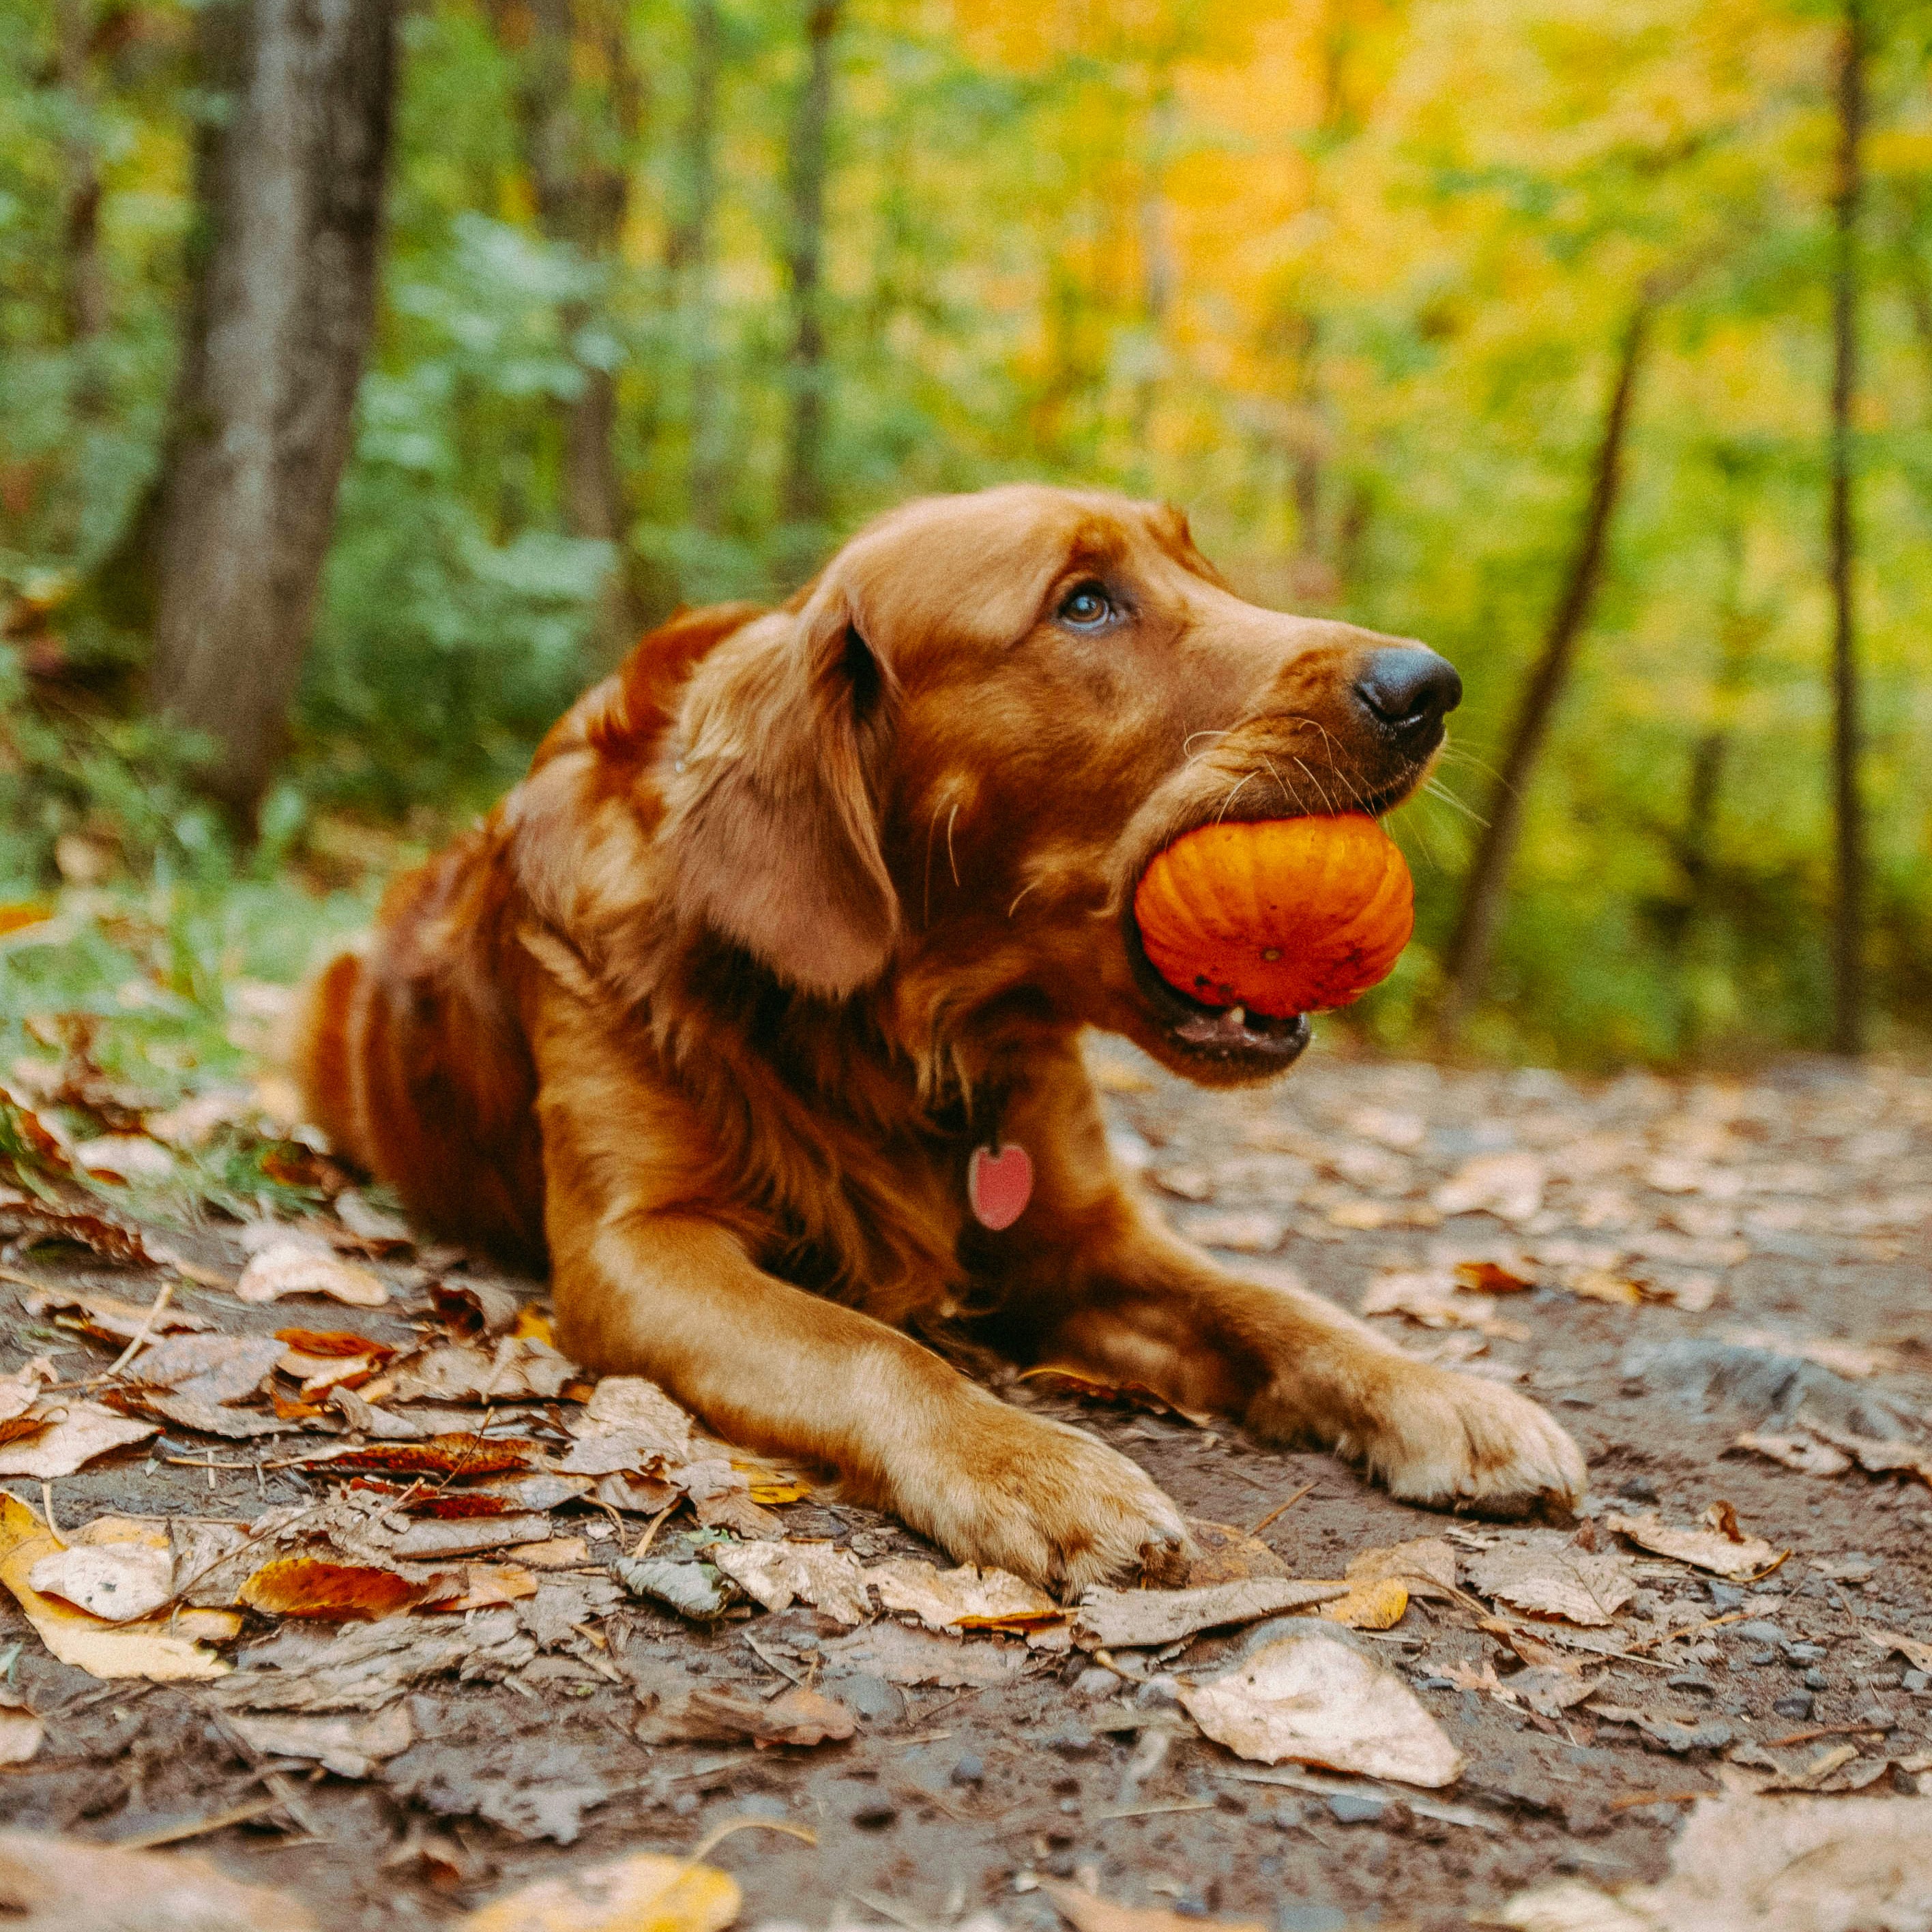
<point>1467,957</point>
<point>579,150</point>
<point>803,496</point>
<point>688,256</point>
<point>1847,921</point>
<point>86,274</point>
<point>279,321</point>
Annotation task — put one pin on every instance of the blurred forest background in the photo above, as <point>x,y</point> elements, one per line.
<point>1589,339</point>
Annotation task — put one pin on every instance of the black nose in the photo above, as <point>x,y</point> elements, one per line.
<point>1407,687</point>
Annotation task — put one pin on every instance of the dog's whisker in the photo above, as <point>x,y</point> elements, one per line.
<point>952,857</point>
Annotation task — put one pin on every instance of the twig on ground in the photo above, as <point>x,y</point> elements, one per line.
<point>139,1340</point>
<point>1279,1509</point>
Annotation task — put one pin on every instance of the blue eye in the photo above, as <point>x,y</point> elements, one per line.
<point>1086,607</point>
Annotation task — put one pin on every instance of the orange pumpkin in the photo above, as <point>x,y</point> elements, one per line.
<point>1281,916</point>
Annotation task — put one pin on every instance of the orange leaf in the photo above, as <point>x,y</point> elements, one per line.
<point>306,1586</point>
<point>330,1342</point>
<point>452,1455</point>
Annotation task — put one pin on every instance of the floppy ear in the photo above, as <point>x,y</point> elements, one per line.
<point>772,830</point>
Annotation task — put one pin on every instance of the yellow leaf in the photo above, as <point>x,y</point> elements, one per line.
<point>646,1892</point>
<point>533,1325</point>
<point>1377,1606</point>
<point>161,1649</point>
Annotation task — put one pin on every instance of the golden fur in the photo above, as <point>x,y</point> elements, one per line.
<point>800,906</point>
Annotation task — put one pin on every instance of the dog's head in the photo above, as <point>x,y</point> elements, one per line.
<point>946,765</point>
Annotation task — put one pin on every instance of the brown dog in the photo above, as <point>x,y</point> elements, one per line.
<point>797,918</point>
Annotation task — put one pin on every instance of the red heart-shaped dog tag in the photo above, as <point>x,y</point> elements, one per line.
<point>999,1185</point>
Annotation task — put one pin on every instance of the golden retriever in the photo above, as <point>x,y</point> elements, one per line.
<point>756,1009</point>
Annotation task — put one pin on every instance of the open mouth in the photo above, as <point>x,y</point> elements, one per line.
<point>1229,1035</point>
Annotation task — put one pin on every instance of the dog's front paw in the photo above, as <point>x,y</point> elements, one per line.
<point>1045,1501</point>
<point>1446,1440</point>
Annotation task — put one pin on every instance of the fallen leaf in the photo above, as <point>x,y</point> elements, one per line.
<point>212,1369</point>
<point>310,1586</point>
<point>1086,1913</point>
<point>694,1590</point>
<point>1492,1278</point>
<point>234,1424</point>
<point>734,1510</point>
<point>164,1649</point>
<point>1314,1700</point>
<point>778,1574</point>
<point>1426,1564</point>
<point>1052,1379</point>
<point>307,1344</point>
<point>1555,1579</point>
<point>473,1308</point>
<point>294,1267</point>
<point>75,1433</point>
<point>510,1370</point>
<point>1228,1555</point>
<point>125,1158</point>
<point>108,1318</point>
<point>1432,1299</point>
<point>1746,1863</point>
<point>631,1401</point>
<point>966,1598</point>
<point>638,1495</point>
<point>362,1667</point>
<point>443,1457</point>
<point>1916,1650</point>
<point>1842,1358</point>
<point>1876,1456</point>
<point>1711,1549</point>
<point>349,1747</point>
<point>1509,1186</point>
<point>22,1734</point>
<point>803,1716</point>
<point>435,1539</point>
<point>554,1552</point>
<point>1142,1618</point>
<point>1379,1605</point>
<point>63,1884</point>
<point>1605,1284</point>
<point>485,1585</point>
<point>646,1892</point>
<point>1804,1454</point>
<point>913,1656</point>
<point>119,1582</point>
<point>368,1222</point>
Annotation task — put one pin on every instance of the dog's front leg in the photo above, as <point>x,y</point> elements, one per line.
<point>646,1283</point>
<point>1140,1305</point>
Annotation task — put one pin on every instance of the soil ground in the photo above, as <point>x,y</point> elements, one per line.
<point>1798,1204</point>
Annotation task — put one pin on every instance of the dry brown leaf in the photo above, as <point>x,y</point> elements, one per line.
<point>1086,1913</point>
<point>803,1716</point>
<point>646,1892</point>
<point>511,1369</point>
<point>72,1884</point>
<point>212,1369</point>
<point>296,1268</point>
<point>631,1401</point>
<point>312,1587</point>
<point>164,1649</point>
<point>455,1456</point>
<point>732,1509</point>
<point>22,1734</point>
<point>554,1552</point>
<point>1314,1700</point>
<point>1747,1864</point>
<point>1484,1277</point>
<point>1916,1650</point>
<point>1509,1186</point>
<point>912,1655</point>
<point>1605,1285</point>
<point>434,1539</point>
<point>108,1318</point>
<point>74,1434</point>
<point>485,1585</point>
<point>1426,1564</point>
<point>1735,1556</point>
<point>1804,1454</point>
<point>1432,1298</point>
<point>235,1424</point>
<point>119,1582</point>
<point>349,1747</point>
<point>1379,1605</point>
<point>1133,1619</point>
<point>779,1574</point>
<point>473,1308</point>
<point>1875,1455</point>
<point>1229,1555</point>
<point>966,1598</point>
<point>1555,1579</point>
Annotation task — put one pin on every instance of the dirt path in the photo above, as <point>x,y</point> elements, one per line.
<point>1695,1247</point>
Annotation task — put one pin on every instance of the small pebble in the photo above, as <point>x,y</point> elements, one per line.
<point>1759,1631</point>
<point>1350,1808</point>
<point>1160,1691</point>
<point>1638,1489</point>
<point>971,1769</point>
<point>1798,1705</point>
<point>1918,1680</point>
<point>1095,1684</point>
<point>1816,1680</point>
<point>874,1816</point>
<point>1725,1596</point>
